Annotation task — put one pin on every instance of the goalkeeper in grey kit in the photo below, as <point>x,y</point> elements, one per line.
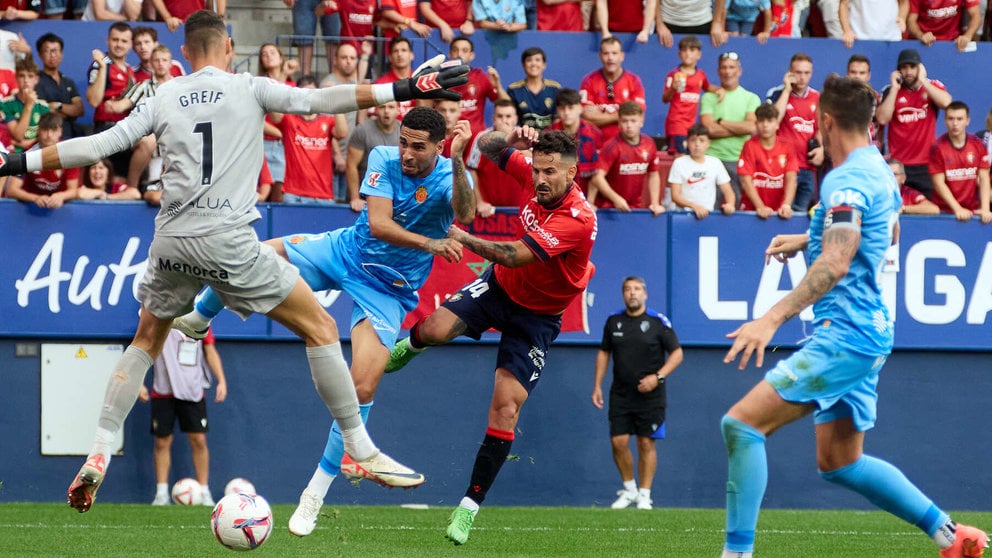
<point>209,125</point>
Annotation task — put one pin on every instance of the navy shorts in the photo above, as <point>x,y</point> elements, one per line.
<point>192,415</point>
<point>526,336</point>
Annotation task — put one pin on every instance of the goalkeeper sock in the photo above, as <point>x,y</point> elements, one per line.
<point>495,448</point>
<point>122,391</point>
<point>208,305</point>
<point>747,477</point>
<point>330,461</point>
<point>885,486</point>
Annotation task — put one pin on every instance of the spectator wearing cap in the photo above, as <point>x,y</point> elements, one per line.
<point>730,122</point>
<point>941,20</point>
<point>909,108</point>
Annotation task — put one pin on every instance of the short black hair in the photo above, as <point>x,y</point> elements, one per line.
<point>120,26</point>
<point>308,79</point>
<point>698,130</point>
<point>533,51</point>
<point>568,97</point>
<point>555,141</point>
<point>471,45</point>
<point>859,58</point>
<point>397,40</point>
<point>958,105</point>
<point>426,120</point>
<point>766,111</point>
<point>48,38</point>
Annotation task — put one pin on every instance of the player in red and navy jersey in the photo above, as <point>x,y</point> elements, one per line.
<point>604,89</point>
<point>767,168</point>
<point>909,108</point>
<point>627,164</point>
<point>959,167</point>
<point>523,294</point>
<point>796,103</point>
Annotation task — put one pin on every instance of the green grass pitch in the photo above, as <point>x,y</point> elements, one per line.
<point>126,530</point>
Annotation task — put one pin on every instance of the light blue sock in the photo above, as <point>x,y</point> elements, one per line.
<point>334,449</point>
<point>884,485</point>
<point>209,304</point>
<point>747,477</point>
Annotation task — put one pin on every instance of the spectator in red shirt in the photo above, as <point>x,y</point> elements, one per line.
<point>175,12</point>
<point>482,85</point>
<point>627,165</point>
<point>560,15</point>
<point>400,67</point>
<point>684,86</point>
<point>941,20</point>
<point>796,103</point>
<point>588,138</point>
<point>357,18</point>
<point>767,168</point>
<point>493,186</point>
<point>448,15</point>
<point>310,143</point>
<point>626,16</point>
<point>913,202</point>
<point>603,90</point>
<point>909,108</point>
<point>27,10</point>
<point>395,16</point>
<point>145,41</point>
<point>46,188</point>
<point>859,67</point>
<point>98,184</point>
<point>959,167</point>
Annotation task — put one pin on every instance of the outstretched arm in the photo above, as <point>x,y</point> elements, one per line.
<point>508,254</point>
<point>493,143</point>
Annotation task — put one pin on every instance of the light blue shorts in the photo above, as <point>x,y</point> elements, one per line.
<point>325,263</point>
<point>840,383</point>
<point>275,156</point>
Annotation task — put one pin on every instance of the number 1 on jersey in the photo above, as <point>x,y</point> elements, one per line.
<point>207,151</point>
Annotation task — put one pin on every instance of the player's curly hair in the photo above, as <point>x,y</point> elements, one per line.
<point>556,141</point>
<point>426,120</point>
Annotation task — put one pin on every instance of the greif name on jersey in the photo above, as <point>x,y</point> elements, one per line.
<point>200,97</point>
<point>531,224</point>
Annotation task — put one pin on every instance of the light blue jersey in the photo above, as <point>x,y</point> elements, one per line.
<point>420,205</point>
<point>852,314</point>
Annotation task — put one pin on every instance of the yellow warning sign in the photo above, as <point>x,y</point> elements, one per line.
<point>81,353</point>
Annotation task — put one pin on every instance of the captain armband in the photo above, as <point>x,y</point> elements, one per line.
<point>843,216</point>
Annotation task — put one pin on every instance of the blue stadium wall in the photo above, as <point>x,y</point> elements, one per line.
<point>707,276</point>
<point>70,274</point>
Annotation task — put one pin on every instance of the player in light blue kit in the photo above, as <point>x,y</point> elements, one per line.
<point>835,374</point>
<point>413,194</point>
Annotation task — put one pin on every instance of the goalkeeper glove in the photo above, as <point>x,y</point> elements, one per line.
<point>12,164</point>
<point>432,81</point>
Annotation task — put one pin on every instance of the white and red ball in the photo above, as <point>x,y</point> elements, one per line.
<point>239,484</point>
<point>187,492</point>
<point>242,521</point>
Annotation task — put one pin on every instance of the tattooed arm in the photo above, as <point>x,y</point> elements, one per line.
<point>462,196</point>
<point>492,144</point>
<point>507,254</point>
<point>840,244</point>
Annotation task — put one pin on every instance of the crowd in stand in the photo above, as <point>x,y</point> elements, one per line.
<point>728,148</point>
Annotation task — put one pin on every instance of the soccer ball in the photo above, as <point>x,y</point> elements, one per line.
<point>187,492</point>
<point>242,521</point>
<point>239,484</point>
